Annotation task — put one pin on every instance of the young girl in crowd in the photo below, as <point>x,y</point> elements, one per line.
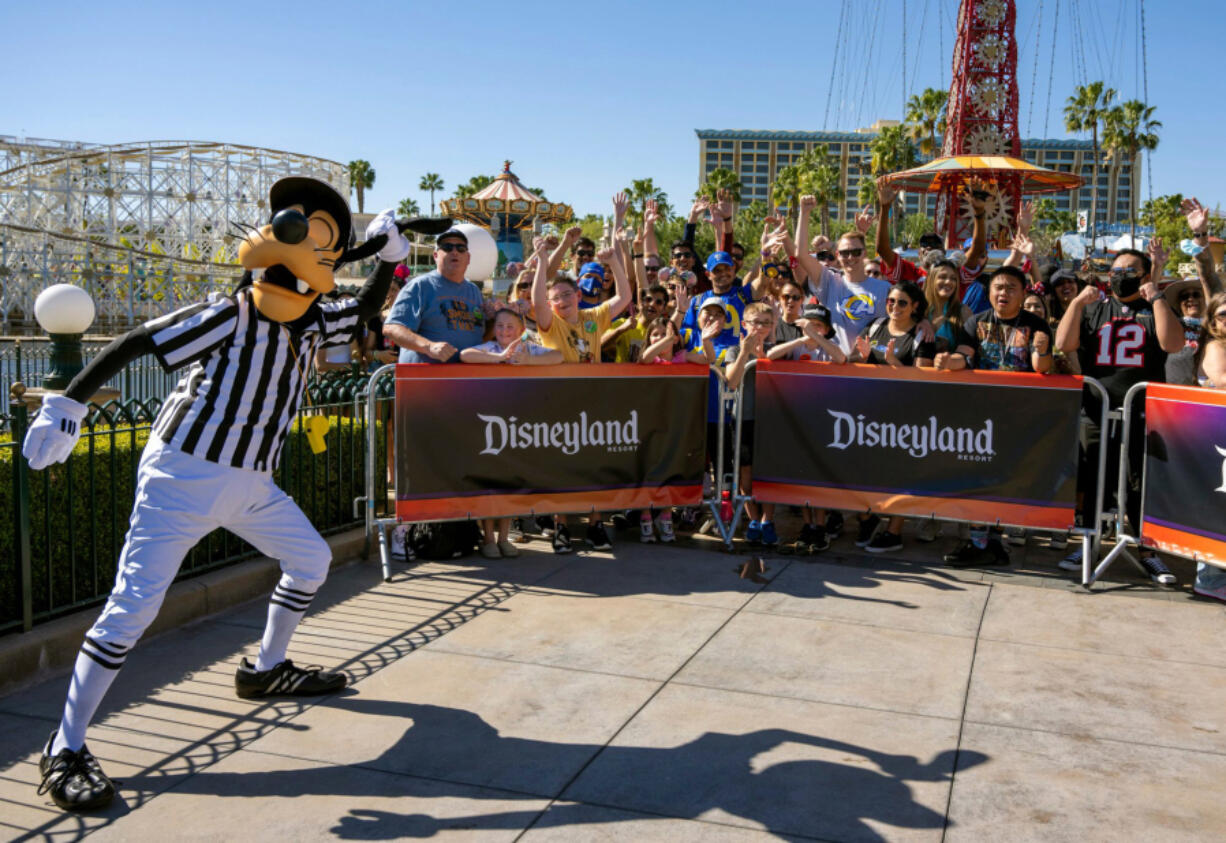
<point>893,341</point>
<point>507,346</point>
<point>944,307</point>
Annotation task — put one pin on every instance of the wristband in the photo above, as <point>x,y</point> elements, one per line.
<point>792,262</point>
<point>636,255</point>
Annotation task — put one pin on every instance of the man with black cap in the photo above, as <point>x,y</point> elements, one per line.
<point>439,314</point>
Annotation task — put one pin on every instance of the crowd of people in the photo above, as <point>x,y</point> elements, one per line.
<point>634,300</point>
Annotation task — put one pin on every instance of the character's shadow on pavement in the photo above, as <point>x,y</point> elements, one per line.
<point>450,752</point>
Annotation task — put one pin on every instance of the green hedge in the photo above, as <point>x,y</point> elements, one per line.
<point>79,511</point>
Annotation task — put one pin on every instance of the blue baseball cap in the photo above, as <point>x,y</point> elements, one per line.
<point>716,258</point>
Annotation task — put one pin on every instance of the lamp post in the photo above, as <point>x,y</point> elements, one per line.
<point>64,312</point>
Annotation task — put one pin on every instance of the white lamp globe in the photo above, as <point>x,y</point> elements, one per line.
<point>64,309</point>
<point>483,252</point>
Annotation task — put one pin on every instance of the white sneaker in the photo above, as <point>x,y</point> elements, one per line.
<point>1072,562</point>
<point>397,541</point>
<point>665,528</point>
<point>1058,541</point>
<point>646,533</point>
<point>1015,536</point>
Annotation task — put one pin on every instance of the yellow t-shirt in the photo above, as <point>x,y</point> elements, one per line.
<point>579,343</point>
<point>629,346</point>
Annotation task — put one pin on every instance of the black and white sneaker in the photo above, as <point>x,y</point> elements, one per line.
<point>1157,570</point>
<point>597,537</point>
<point>867,527</point>
<point>74,780</point>
<point>285,680</point>
<point>966,555</point>
<point>1072,562</point>
<point>821,541</point>
<point>884,542</point>
<point>561,539</point>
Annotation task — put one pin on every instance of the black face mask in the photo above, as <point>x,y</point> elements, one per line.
<point>1124,285</point>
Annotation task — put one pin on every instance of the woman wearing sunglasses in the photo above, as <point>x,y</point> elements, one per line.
<point>893,341</point>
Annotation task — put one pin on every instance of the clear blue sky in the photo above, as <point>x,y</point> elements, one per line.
<point>582,98</point>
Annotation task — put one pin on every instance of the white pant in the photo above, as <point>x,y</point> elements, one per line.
<point>180,499</point>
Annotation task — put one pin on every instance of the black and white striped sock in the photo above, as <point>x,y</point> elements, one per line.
<point>285,610</point>
<point>97,665</point>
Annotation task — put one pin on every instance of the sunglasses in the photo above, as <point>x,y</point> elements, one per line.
<point>873,273</point>
<point>453,247</point>
<point>851,253</point>
<point>680,256</point>
<point>585,253</point>
<point>524,285</point>
<point>791,297</point>
<point>825,256</point>
<point>1190,297</point>
<point>898,302</point>
<point>1124,272</point>
<point>651,268</point>
<point>658,302</point>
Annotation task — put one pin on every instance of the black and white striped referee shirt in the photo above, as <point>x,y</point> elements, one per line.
<point>235,403</point>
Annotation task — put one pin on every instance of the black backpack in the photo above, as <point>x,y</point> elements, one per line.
<point>443,539</point>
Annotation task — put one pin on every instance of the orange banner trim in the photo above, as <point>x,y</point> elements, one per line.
<point>587,371</point>
<point>914,373</point>
<point>1187,545</point>
<point>545,503</point>
<point>887,503</point>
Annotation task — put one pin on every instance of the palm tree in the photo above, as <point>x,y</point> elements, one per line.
<point>1130,129</point>
<point>431,182</point>
<point>785,190</point>
<point>819,176</point>
<point>925,118</point>
<point>408,208</point>
<point>890,152</point>
<point>719,179</point>
<point>361,176</point>
<point>473,185</point>
<point>1085,111</point>
<point>641,191</point>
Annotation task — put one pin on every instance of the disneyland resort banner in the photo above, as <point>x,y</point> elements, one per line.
<point>1184,504</point>
<point>485,441</point>
<point>974,446</point>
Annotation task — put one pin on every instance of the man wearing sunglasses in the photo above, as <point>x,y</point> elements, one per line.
<point>1187,298</point>
<point>854,299</point>
<point>1124,340</point>
<point>439,314</point>
<point>627,336</point>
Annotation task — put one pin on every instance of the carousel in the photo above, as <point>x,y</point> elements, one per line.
<point>506,208</point>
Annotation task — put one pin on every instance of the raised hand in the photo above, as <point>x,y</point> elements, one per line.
<point>1025,218</point>
<point>651,214</point>
<point>886,193</point>
<point>540,246</point>
<point>681,296</point>
<point>1157,256</point>
<point>864,220</point>
<point>1197,216</point>
<point>712,331</point>
<point>1088,295</point>
<point>1022,243</point>
<point>572,235</point>
<point>973,191</point>
<point>698,208</point>
<point>605,255</point>
<point>807,203</point>
<point>723,208</point>
<point>620,204</point>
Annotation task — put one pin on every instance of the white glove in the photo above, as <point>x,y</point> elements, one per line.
<point>397,248</point>
<point>54,432</point>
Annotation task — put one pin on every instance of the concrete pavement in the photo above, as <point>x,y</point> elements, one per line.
<point>652,694</point>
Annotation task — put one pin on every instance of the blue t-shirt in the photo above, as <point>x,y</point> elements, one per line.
<point>441,311</point>
<point>725,353</point>
<point>976,298</point>
<point>734,300</point>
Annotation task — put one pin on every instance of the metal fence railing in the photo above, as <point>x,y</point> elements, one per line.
<point>63,527</point>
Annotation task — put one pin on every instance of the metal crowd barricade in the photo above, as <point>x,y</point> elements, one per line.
<point>723,489</point>
<point>726,501</point>
<point>1123,539</point>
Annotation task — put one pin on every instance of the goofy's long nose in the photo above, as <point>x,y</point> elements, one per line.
<point>290,227</point>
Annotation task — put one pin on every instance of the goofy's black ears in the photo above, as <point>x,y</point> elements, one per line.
<point>421,225</point>
<point>432,226</point>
